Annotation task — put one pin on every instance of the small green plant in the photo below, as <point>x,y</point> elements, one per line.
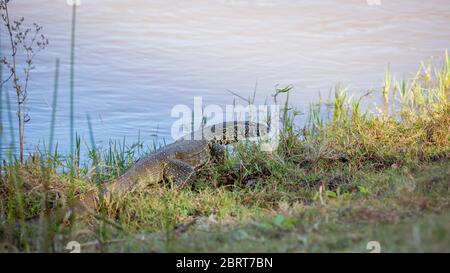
<point>363,190</point>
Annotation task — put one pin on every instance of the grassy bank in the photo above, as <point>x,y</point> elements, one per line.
<point>345,178</point>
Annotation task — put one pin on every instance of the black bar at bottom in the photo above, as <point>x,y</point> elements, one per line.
<point>218,262</point>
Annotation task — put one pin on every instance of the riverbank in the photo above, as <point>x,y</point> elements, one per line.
<point>345,178</point>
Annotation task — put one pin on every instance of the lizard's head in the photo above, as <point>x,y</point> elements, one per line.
<point>229,132</point>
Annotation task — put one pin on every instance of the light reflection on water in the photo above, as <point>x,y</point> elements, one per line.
<point>135,60</point>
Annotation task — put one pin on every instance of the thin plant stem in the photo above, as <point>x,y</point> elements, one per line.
<point>54,104</point>
<point>72,73</point>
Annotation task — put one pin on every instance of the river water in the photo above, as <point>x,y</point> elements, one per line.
<point>136,60</point>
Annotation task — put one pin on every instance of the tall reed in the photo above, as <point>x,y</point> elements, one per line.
<point>72,74</point>
<point>1,100</point>
<point>54,104</point>
<point>10,121</point>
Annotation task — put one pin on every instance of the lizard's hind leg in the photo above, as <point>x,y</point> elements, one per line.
<point>179,173</point>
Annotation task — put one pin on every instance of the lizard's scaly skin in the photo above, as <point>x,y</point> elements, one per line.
<point>177,162</point>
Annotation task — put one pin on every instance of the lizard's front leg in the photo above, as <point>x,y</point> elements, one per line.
<point>179,173</point>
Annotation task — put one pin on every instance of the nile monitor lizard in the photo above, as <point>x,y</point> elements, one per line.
<point>177,162</point>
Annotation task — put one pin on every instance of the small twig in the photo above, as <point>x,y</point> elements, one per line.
<point>7,79</point>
